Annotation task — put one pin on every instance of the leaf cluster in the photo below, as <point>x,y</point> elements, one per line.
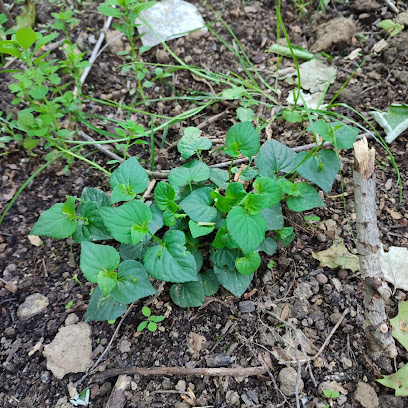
<point>200,210</point>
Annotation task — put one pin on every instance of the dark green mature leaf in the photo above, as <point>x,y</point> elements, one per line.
<point>192,171</point>
<point>225,257</point>
<point>171,262</point>
<point>275,158</point>
<point>320,168</point>
<point>242,138</point>
<point>132,179</point>
<point>96,195</point>
<point>201,229</point>
<point>269,188</point>
<point>268,246</point>
<point>219,177</point>
<point>133,283</point>
<point>247,230</point>
<point>232,280</point>
<point>164,196</point>
<point>191,143</point>
<point>189,294</point>
<point>154,224</point>
<point>255,203</point>
<point>285,235</point>
<point>308,199</point>
<point>247,265</point>
<point>96,258</point>
<point>339,134</point>
<point>223,238</point>
<point>127,223</point>
<point>129,252</point>
<point>197,205</point>
<point>102,308</point>
<point>93,228</point>
<point>210,283</point>
<point>53,223</point>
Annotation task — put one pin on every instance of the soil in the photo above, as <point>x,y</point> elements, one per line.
<point>226,330</point>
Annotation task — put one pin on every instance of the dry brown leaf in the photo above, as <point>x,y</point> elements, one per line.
<point>195,343</point>
<point>394,214</point>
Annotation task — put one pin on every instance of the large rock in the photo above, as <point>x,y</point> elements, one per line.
<point>366,396</point>
<point>70,351</point>
<point>287,381</point>
<point>33,305</point>
<point>337,32</point>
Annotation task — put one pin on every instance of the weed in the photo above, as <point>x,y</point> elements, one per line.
<point>150,322</point>
<point>199,207</point>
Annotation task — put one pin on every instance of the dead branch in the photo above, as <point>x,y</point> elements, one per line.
<point>3,10</point>
<point>182,371</point>
<point>376,290</point>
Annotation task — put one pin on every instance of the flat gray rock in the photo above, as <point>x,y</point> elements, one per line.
<point>70,351</point>
<point>33,305</point>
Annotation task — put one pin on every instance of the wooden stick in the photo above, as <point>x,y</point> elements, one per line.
<point>181,371</point>
<point>376,290</point>
<point>4,10</point>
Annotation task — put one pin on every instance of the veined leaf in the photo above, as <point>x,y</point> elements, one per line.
<point>102,308</point>
<point>247,265</point>
<point>197,205</point>
<point>308,199</point>
<point>232,280</point>
<point>200,229</point>
<point>242,138</point>
<point>189,294</point>
<point>164,196</point>
<point>210,283</point>
<point>191,143</point>
<point>192,171</point>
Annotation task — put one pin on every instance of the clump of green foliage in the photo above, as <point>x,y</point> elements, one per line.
<point>199,212</point>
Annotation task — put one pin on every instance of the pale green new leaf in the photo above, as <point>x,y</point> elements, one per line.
<point>191,143</point>
<point>248,264</point>
<point>397,381</point>
<point>400,324</point>
<point>201,229</point>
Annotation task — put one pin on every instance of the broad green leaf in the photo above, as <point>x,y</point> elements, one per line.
<point>106,280</point>
<point>285,235</point>
<point>131,174</point>
<point>247,230</point>
<point>245,114</point>
<point>233,195</point>
<point>146,311</point>
<point>219,177</point>
<point>223,239</point>
<point>141,326</point>
<point>270,188</point>
<point>152,326</point>
<point>268,246</point>
<point>93,227</point>
<point>391,27</point>
<point>198,256</point>
<point>154,224</point>
<point>110,11</point>
<point>308,199</point>
<point>293,116</point>
<point>189,294</point>
<point>25,120</point>
<point>127,223</point>
<point>394,122</point>
<point>68,208</point>
<point>255,203</point>
<point>210,283</point>
<point>133,283</point>
<point>171,262</point>
<point>38,92</point>
<point>164,196</point>
<point>225,257</point>
<point>198,205</point>
<point>26,37</point>
<point>200,229</point>
<point>169,219</point>
<point>400,324</point>
<point>232,280</point>
<point>245,174</point>
<point>397,381</point>
<point>191,171</point>
<point>191,143</point>
<point>96,258</point>
<point>248,264</point>
<point>96,195</point>
<point>275,157</point>
<point>122,192</point>
<point>244,138</point>
<point>320,168</point>
<point>103,308</point>
<point>344,135</point>
<point>131,252</point>
<point>53,223</point>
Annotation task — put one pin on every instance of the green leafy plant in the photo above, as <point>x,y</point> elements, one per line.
<point>127,11</point>
<point>392,28</point>
<point>200,210</point>
<point>150,322</point>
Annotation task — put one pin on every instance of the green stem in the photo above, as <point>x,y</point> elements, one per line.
<point>157,239</point>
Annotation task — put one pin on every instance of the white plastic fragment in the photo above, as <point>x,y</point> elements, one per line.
<point>169,19</point>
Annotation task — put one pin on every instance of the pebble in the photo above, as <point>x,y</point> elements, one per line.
<point>321,237</point>
<point>71,319</point>
<point>327,289</point>
<point>366,395</point>
<point>32,306</point>
<point>287,381</point>
<point>179,404</point>
<point>166,384</point>
<point>218,360</point>
<point>246,306</point>
<point>343,274</point>
<point>66,275</point>
<point>45,377</point>
<point>162,57</point>
<point>9,332</point>
<point>322,279</point>
<point>335,317</point>
<point>181,386</point>
<point>232,398</point>
<point>303,291</point>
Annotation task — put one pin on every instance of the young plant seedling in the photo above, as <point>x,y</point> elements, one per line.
<point>199,210</point>
<point>331,395</point>
<point>150,322</point>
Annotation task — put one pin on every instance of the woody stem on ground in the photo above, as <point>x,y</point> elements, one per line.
<point>376,290</point>
<point>3,10</point>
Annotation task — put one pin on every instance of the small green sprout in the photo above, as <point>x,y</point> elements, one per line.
<point>69,304</point>
<point>151,321</point>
